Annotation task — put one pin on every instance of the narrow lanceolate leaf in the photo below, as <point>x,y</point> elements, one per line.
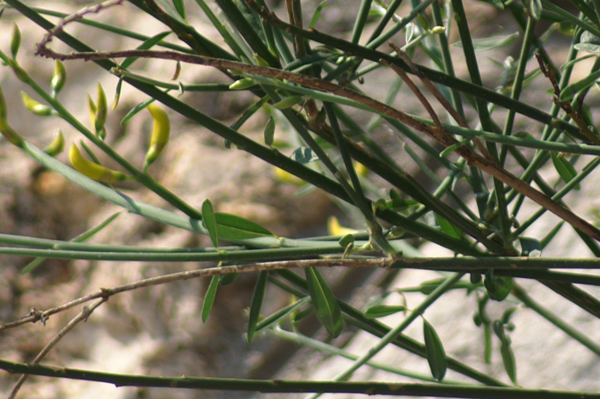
<point>324,302</point>
<point>535,6</point>
<point>377,311</point>
<point>281,314</point>
<point>270,131</point>
<point>316,14</point>
<point>135,110</point>
<point>569,92</point>
<point>564,168</point>
<point>209,298</point>
<point>232,227</point>
<point>492,42</point>
<point>508,358</point>
<point>15,41</point>
<point>257,300</point>
<point>209,221</point>
<point>448,227</point>
<point>434,350</point>
<point>101,110</point>
<point>180,7</point>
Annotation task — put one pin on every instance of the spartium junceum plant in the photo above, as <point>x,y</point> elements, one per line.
<point>442,151</point>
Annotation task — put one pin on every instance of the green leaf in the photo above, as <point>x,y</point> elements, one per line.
<point>270,131</point>
<point>346,239</point>
<point>135,110</point>
<point>588,42</point>
<point>316,14</point>
<point>448,227</point>
<point>377,311</point>
<point>508,358</point>
<point>280,314</point>
<point>170,10</point>
<point>569,92</point>
<point>15,41</point>
<point>493,42</point>
<point>232,227</point>
<point>253,19</point>
<point>550,236</point>
<point>257,300</point>
<point>324,302</point>
<point>209,221</point>
<point>303,155</point>
<point>434,350</point>
<point>498,288</point>
<point>508,314</point>
<point>565,169</point>
<point>487,351</point>
<point>180,7</point>
<point>209,298</point>
<point>536,8</point>
<point>530,247</point>
<point>147,44</point>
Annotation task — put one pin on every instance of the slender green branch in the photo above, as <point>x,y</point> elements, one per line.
<point>286,386</point>
<point>557,321</point>
<point>393,333</point>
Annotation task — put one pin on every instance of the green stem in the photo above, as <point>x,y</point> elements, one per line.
<point>557,321</point>
<point>393,333</point>
<point>332,350</point>
<point>361,19</point>
<point>287,386</point>
<point>356,318</point>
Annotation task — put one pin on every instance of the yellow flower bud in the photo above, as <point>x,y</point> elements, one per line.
<point>242,84</point>
<point>289,102</point>
<point>93,170</point>
<point>336,229</point>
<point>57,145</point>
<point>35,106</point>
<point>101,110</point>
<point>59,78</point>
<point>287,177</point>
<point>161,131</point>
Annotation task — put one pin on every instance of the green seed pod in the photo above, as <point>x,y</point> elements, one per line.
<point>59,78</point>
<point>289,102</point>
<point>161,131</point>
<point>35,106</point>
<point>57,145</point>
<point>93,170</point>
<point>15,41</point>
<point>242,84</point>
<point>101,110</point>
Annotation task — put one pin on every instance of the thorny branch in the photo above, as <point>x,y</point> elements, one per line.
<point>82,316</point>
<point>446,140</point>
